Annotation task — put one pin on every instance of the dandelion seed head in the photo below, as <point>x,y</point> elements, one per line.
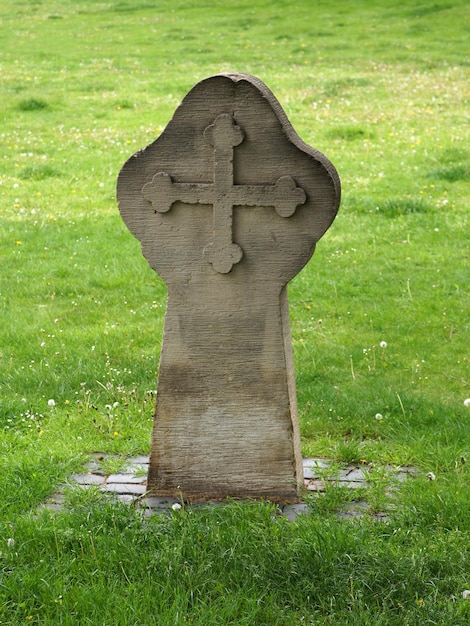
<point>176,506</point>
<point>378,416</point>
<point>51,402</point>
<point>383,344</point>
<point>466,402</point>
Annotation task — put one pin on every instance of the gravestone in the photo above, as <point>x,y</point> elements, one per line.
<point>228,204</point>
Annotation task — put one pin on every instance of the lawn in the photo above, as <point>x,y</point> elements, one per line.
<point>379,316</point>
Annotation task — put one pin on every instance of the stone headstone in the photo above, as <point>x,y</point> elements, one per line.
<point>228,204</point>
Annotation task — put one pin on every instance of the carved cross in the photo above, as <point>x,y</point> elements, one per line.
<point>223,194</point>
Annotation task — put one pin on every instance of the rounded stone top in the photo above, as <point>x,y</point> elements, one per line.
<point>228,190</point>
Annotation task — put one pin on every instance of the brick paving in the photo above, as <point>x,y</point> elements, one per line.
<point>130,485</point>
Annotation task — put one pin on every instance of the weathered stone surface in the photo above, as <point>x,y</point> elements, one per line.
<point>140,459</point>
<point>292,511</point>
<point>127,478</point>
<point>126,488</point>
<point>228,204</point>
<point>357,474</point>
<point>88,479</point>
<point>154,502</point>
<point>314,467</point>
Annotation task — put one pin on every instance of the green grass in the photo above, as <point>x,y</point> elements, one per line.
<point>100,564</point>
<point>381,87</point>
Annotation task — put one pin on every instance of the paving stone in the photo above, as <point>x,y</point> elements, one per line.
<point>153,502</point>
<point>86,486</point>
<point>200,505</point>
<point>356,507</point>
<point>136,470</point>
<point>292,511</point>
<point>57,498</point>
<point>94,467</point>
<point>316,462</point>
<point>311,467</point>
<point>140,460</point>
<point>51,506</point>
<point>125,488</point>
<point>98,472</point>
<point>126,479</point>
<point>125,498</point>
<point>356,510</point>
<point>317,485</point>
<point>356,474</point>
<point>404,473</point>
<point>88,479</point>
<point>353,484</point>
<point>310,472</point>
<point>147,513</point>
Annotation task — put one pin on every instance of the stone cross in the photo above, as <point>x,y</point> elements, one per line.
<point>228,204</point>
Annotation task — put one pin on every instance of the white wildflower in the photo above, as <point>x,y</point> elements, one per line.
<point>51,402</point>
<point>378,416</point>
<point>466,402</point>
<point>176,506</point>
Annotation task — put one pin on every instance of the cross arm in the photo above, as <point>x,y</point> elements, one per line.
<point>284,196</point>
<point>162,192</point>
